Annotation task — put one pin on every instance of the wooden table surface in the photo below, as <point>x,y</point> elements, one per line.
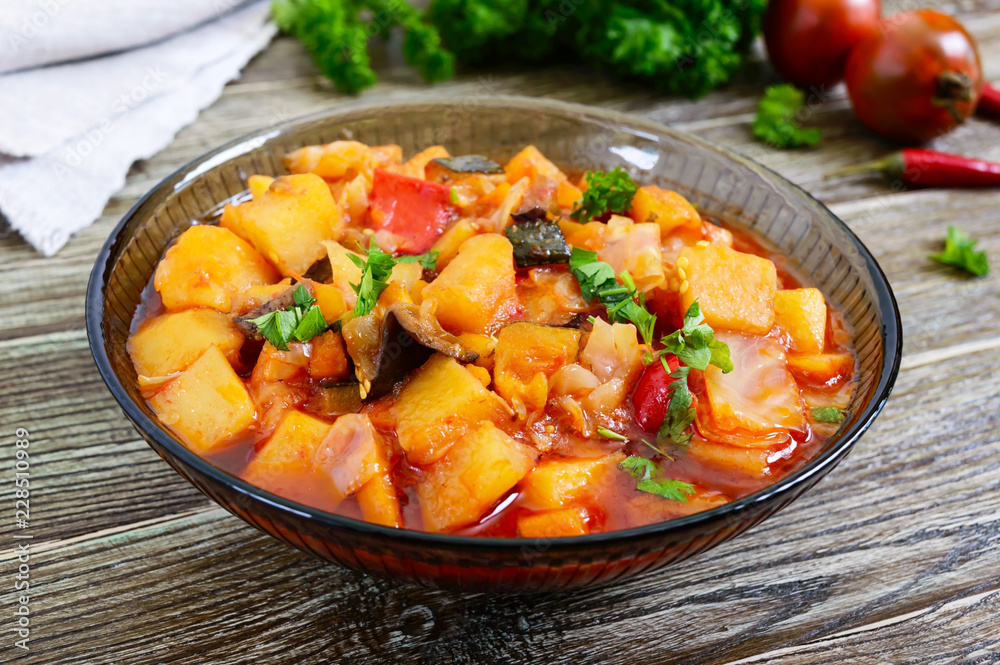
<point>893,558</point>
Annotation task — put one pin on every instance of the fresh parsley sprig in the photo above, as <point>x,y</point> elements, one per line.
<point>960,251</point>
<point>597,281</point>
<point>680,409</point>
<point>428,260</point>
<point>775,123</point>
<point>302,321</point>
<point>643,469</point>
<point>375,271</point>
<point>610,191</point>
<point>695,344</point>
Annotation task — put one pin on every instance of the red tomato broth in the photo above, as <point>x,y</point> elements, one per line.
<point>614,502</point>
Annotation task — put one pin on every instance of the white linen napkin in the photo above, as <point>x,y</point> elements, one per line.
<point>71,131</point>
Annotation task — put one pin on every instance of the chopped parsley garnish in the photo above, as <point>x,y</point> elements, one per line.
<point>428,260</point>
<point>597,280</point>
<point>375,272</point>
<point>680,412</point>
<point>828,414</point>
<point>606,192</point>
<point>960,250</point>
<point>302,321</point>
<point>609,434</point>
<point>642,469</point>
<point>695,344</point>
<point>453,193</point>
<point>775,123</point>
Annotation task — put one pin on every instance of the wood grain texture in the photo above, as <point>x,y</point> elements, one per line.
<point>893,558</point>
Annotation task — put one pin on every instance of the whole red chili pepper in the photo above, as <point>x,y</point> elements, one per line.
<point>989,101</point>
<point>919,167</point>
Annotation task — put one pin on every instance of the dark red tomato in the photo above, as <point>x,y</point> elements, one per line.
<point>415,210</point>
<point>916,77</point>
<point>808,41</point>
<point>652,394</point>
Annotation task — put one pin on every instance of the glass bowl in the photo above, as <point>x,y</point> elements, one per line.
<point>722,184</point>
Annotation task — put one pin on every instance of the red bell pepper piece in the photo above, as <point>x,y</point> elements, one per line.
<point>652,394</point>
<point>415,210</point>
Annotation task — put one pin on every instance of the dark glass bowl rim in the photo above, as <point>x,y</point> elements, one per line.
<point>183,177</point>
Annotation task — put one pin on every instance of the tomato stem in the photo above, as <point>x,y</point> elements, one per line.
<point>953,87</point>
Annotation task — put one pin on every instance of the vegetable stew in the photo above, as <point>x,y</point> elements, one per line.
<point>461,345</point>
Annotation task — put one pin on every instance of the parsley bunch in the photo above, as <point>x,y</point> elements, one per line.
<point>775,123</point>
<point>597,280</point>
<point>960,251</point>
<point>336,36</point>
<point>606,192</point>
<point>302,321</point>
<point>643,468</point>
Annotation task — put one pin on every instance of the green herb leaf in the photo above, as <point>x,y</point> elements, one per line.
<point>695,344</point>
<point>828,414</point>
<point>680,412</point>
<point>453,193</point>
<point>375,270</point>
<point>609,434</point>
<point>310,325</point>
<point>278,327</point>
<point>302,297</point>
<point>428,260</point>
<point>775,123</point>
<point>606,192</point>
<point>597,280</point>
<point>642,469</point>
<point>960,250</point>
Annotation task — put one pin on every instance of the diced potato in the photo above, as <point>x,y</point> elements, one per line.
<point>289,221</point>
<point>734,290</point>
<point>802,314</point>
<point>448,243</point>
<point>207,406</point>
<point>330,161</point>
<point>352,453</point>
<point>172,342</point>
<point>667,209</point>
<point>821,368</point>
<point>352,196</point>
<point>759,396</point>
<point>328,360</point>
<point>476,472</point>
<point>379,502</point>
<point>482,374</point>
<point>557,483</point>
<point>259,184</point>
<point>567,194</point>
<point>553,524</point>
<point>527,354</point>
<point>278,466</point>
<point>207,266</point>
<point>484,345</point>
<point>345,272</point>
<point>751,461</point>
<point>438,403</point>
<point>530,163</point>
<point>476,293</point>
<point>330,300</point>
<point>406,274</point>
<point>634,248</point>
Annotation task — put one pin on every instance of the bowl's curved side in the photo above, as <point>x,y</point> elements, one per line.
<point>723,184</point>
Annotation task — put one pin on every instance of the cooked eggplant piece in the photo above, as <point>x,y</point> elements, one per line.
<point>321,271</point>
<point>282,301</point>
<point>538,243</point>
<point>469,164</point>
<point>336,399</point>
<point>533,214</point>
<point>384,352</point>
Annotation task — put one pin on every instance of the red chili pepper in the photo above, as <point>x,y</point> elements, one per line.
<point>989,101</point>
<point>919,167</point>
